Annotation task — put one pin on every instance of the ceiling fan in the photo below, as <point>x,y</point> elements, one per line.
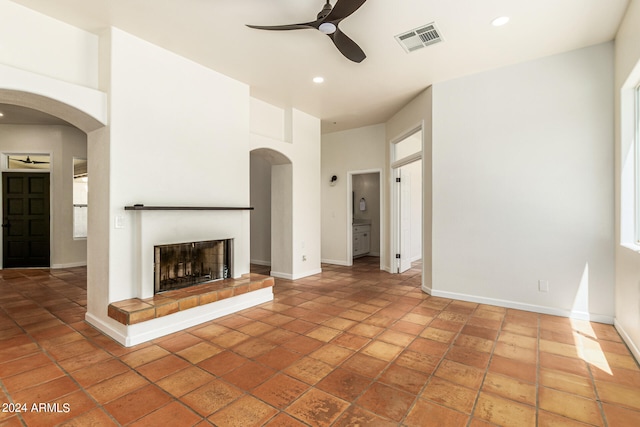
<point>327,23</point>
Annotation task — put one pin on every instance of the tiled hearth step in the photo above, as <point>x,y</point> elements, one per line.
<point>136,310</point>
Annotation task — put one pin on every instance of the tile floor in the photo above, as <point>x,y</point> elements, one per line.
<point>349,347</point>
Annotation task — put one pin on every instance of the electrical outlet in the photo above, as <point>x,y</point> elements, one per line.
<point>543,285</point>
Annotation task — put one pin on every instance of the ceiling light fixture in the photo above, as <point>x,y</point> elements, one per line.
<point>1,114</point>
<point>500,21</point>
<point>327,28</point>
<point>318,80</point>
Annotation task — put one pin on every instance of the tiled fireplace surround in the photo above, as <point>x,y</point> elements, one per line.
<point>146,315</point>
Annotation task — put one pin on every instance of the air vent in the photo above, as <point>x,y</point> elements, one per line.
<point>420,37</point>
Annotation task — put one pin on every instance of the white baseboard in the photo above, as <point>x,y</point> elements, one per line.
<point>260,262</point>
<point>627,339</point>
<point>599,318</point>
<point>295,276</point>
<point>70,265</point>
<point>336,262</point>
<point>130,335</point>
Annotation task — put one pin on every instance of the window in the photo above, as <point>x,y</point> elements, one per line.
<point>28,161</point>
<point>80,198</point>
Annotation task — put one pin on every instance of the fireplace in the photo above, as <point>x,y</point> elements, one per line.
<point>186,264</point>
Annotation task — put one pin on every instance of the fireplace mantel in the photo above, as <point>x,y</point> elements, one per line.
<point>187,208</point>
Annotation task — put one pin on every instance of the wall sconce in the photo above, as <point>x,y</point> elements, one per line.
<point>334,179</point>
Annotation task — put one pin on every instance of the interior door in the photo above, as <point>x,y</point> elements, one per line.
<point>405,221</point>
<point>25,226</point>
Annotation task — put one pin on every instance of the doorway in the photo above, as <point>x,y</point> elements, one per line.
<point>407,201</point>
<point>25,226</point>
<point>365,214</point>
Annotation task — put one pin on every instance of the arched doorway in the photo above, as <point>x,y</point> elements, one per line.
<point>271,221</point>
<point>71,123</point>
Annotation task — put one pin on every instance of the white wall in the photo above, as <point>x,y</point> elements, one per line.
<point>523,185</point>
<point>417,114</point>
<point>361,149</point>
<point>627,284</point>
<point>294,138</point>
<point>63,143</point>
<point>52,48</point>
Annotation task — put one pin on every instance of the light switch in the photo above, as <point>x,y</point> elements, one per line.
<point>119,221</point>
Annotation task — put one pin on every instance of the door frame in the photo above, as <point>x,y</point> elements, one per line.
<point>5,168</point>
<point>395,165</point>
<point>349,218</point>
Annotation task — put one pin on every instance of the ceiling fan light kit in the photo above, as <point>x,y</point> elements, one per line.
<point>327,23</point>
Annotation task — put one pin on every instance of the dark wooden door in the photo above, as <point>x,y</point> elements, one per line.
<point>25,225</point>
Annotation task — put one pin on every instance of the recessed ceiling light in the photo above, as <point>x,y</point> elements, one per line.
<point>318,79</point>
<point>1,114</point>
<point>500,21</point>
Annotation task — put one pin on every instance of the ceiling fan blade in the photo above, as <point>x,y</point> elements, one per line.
<point>347,47</point>
<point>284,27</point>
<point>344,8</point>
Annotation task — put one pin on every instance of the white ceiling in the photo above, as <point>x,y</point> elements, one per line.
<point>279,65</point>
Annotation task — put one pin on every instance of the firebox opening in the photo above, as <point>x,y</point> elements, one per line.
<point>186,264</point>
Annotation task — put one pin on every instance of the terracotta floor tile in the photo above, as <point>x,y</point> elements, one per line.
<point>386,401</point>
<point>350,341</point>
<point>211,397</point>
<point>503,412</point>
<point>619,416</point>
<point>222,363</point>
<point>404,378</point>
<point>284,420</point>
<point>428,414</point>
<point>279,336</point>
<point>569,383</point>
<point>382,350</point>
<point>475,343</point>
<point>618,394</point>
<point>229,339</point>
<point>309,370</point>
<point>356,416</point>
<point>364,365</point>
<point>177,342</point>
<point>245,412</point>
<point>96,417</point>
<point>570,406</point>
<point>255,329</point>
<point>184,381</point>
<point>365,330</point>
<point>144,356</point>
<point>430,347</point>
<point>199,352</point>
<point>302,344</point>
<point>459,373</point>
<point>249,375</point>
<point>32,378</point>
<point>323,333</point>
<point>280,391</point>
<point>317,408</point>
<point>344,384</point>
<point>24,364</point>
<point>619,376</point>
<point>331,354</point>
<point>468,356</point>
<point>521,354</point>
<point>71,349</point>
<point>340,323</point>
<point>550,419</point>
<point>78,403</point>
<point>137,404</point>
<point>299,326</point>
<point>86,359</point>
<point>116,386</point>
<point>163,367</point>
<point>451,395</point>
<point>510,388</point>
<point>278,358</point>
<point>172,414</point>
<point>564,364</point>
